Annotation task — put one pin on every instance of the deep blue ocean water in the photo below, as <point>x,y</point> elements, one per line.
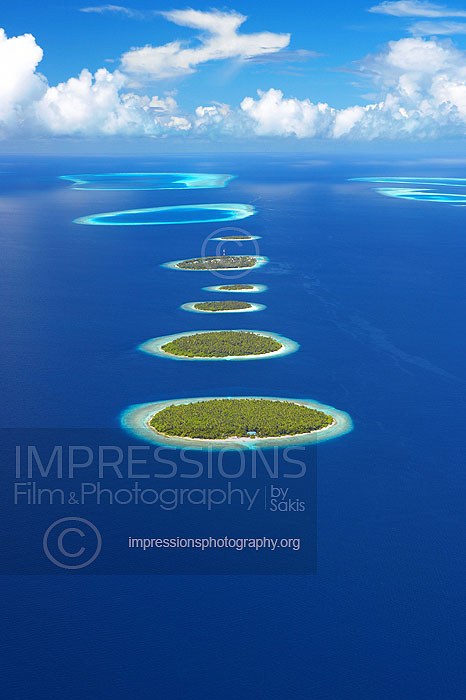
<point>372,288</point>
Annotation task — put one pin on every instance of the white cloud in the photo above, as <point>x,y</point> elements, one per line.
<point>274,115</point>
<point>20,84</point>
<point>221,40</point>
<point>88,105</point>
<point>93,105</point>
<point>422,88</point>
<point>437,28</point>
<point>419,92</point>
<point>415,8</point>
<point>114,9</point>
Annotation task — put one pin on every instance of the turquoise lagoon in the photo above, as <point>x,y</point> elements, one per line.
<point>186,214</point>
<point>147,181</point>
<point>416,193</point>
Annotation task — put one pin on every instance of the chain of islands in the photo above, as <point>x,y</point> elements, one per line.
<point>220,345</point>
<point>246,422</point>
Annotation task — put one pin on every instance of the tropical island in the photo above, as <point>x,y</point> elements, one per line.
<point>222,344</point>
<point>221,419</point>
<point>221,262</point>
<point>222,305</point>
<point>240,288</point>
<point>235,238</point>
<point>235,287</point>
<point>239,422</point>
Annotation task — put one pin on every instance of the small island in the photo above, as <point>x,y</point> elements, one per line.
<point>222,305</point>
<point>235,287</point>
<point>222,419</point>
<point>222,262</point>
<point>222,344</point>
<point>235,238</point>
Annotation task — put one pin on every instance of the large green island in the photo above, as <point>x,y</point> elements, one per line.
<point>222,344</point>
<point>221,419</point>
<point>235,422</point>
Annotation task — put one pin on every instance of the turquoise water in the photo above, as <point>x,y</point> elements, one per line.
<point>147,181</point>
<point>422,195</point>
<point>185,214</point>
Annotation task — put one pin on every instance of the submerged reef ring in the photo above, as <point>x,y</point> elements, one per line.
<point>136,419</point>
<point>175,265</point>
<point>420,194</point>
<point>155,216</point>
<point>191,306</point>
<point>283,346</point>
<point>236,288</point>
<point>147,181</point>
<point>448,181</point>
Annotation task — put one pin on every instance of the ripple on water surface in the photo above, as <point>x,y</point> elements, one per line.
<point>186,214</point>
<point>147,181</point>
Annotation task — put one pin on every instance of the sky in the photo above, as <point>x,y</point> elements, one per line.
<point>253,71</point>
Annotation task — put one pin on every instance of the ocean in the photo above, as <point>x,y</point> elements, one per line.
<point>371,287</point>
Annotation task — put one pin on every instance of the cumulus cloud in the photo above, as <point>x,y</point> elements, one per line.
<point>87,105</point>
<point>415,8</point>
<point>20,84</point>
<point>220,40</point>
<point>419,88</point>
<point>422,84</point>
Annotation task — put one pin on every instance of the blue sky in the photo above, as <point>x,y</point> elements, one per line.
<point>358,71</point>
